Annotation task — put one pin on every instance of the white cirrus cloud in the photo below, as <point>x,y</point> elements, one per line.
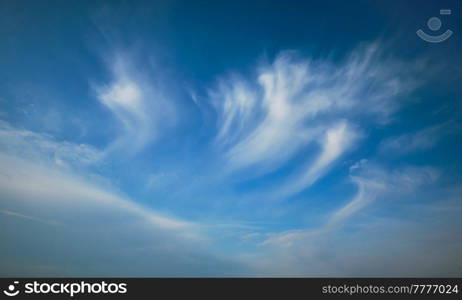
<point>137,100</point>
<point>421,140</point>
<point>335,142</point>
<point>292,103</point>
<point>40,147</point>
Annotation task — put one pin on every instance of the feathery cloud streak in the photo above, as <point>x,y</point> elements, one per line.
<point>136,101</point>
<point>293,103</point>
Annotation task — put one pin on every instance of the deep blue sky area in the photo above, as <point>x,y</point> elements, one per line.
<point>230,138</point>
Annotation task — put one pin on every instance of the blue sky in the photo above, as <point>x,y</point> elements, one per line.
<point>181,138</point>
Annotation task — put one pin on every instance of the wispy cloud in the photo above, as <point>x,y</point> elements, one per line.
<point>294,102</point>
<point>44,147</point>
<point>45,186</point>
<point>367,192</point>
<point>420,140</point>
<point>35,219</point>
<point>369,185</point>
<point>335,142</point>
<point>48,171</point>
<point>139,240</point>
<point>348,237</point>
<point>136,101</point>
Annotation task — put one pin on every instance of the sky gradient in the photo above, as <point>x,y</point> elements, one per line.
<point>198,138</point>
